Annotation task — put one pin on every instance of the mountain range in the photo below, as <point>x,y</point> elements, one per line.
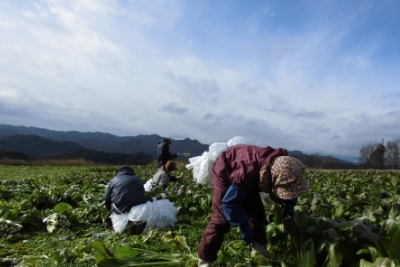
<point>102,148</point>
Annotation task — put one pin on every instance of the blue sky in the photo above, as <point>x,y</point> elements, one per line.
<point>316,76</point>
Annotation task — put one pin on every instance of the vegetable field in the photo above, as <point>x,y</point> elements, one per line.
<point>349,218</point>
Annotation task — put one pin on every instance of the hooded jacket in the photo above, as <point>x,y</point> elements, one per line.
<point>125,191</point>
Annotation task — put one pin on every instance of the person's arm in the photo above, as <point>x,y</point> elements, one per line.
<point>171,155</point>
<point>235,214</point>
<point>107,196</point>
<point>173,178</point>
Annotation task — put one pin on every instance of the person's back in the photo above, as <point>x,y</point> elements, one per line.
<point>125,191</point>
<point>163,175</point>
<point>158,177</point>
<point>130,209</point>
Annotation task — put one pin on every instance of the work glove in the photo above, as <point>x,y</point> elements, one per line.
<point>258,249</point>
<point>175,155</point>
<point>204,263</point>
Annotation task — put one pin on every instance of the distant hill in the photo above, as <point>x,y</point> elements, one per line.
<point>35,146</point>
<point>12,155</point>
<point>327,162</point>
<point>29,147</point>
<point>105,142</point>
<point>107,148</point>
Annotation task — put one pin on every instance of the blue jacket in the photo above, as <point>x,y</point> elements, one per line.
<point>236,215</point>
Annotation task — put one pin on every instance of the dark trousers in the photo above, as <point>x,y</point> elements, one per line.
<point>135,229</point>
<point>213,236</point>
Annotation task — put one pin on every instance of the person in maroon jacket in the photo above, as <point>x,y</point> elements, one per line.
<point>239,174</point>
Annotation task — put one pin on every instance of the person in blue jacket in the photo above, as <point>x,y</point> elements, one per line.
<point>239,174</point>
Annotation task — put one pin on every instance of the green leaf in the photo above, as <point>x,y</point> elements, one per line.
<point>392,241</point>
<point>334,258</point>
<point>125,251</point>
<point>307,259</point>
<point>101,252</point>
<point>371,251</point>
<point>167,237</point>
<point>344,225</point>
<point>62,207</point>
<point>379,262</point>
<point>182,241</point>
<point>339,211</point>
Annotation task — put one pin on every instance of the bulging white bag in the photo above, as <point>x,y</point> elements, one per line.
<point>202,165</point>
<point>157,214</point>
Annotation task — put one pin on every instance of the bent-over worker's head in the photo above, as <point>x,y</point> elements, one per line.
<point>170,166</point>
<point>287,176</point>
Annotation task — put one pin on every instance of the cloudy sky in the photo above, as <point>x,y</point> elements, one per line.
<point>316,76</point>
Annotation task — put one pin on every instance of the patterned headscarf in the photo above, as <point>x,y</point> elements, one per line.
<point>287,176</point>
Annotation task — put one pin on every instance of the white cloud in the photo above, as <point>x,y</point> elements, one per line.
<point>185,69</point>
<point>6,23</point>
<point>9,95</point>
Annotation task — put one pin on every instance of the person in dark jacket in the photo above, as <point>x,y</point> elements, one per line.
<point>239,174</point>
<point>125,191</point>
<point>163,153</point>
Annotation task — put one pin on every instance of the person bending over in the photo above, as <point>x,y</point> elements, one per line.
<point>239,174</point>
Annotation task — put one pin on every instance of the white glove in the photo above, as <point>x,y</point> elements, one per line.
<point>203,263</point>
<point>258,249</point>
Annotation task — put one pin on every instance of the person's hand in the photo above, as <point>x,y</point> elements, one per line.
<point>258,249</point>
<point>178,177</point>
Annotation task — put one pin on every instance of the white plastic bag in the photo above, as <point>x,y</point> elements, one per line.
<point>201,169</point>
<point>148,186</point>
<point>158,214</point>
<point>164,215</point>
<point>238,140</point>
<point>119,222</point>
<point>202,165</point>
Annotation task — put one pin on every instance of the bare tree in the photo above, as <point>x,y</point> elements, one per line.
<point>393,153</point>
<point>373,155</point>
<point>329,163</point>
<point>365,154</point>
<point>378,156</point>
<point>313,160</point>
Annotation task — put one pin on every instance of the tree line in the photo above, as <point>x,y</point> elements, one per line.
<point>381,156</point>
<point>371,156</point>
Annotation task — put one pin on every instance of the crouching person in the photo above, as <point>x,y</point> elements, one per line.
<point>163,175</point>
<point>130,209</point>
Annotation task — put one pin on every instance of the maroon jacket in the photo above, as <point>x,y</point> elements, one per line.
<point>241,165</point>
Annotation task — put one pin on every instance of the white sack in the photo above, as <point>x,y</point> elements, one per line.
<point>158,214</point>
<point>148,186</point>
<point>202,165</point>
